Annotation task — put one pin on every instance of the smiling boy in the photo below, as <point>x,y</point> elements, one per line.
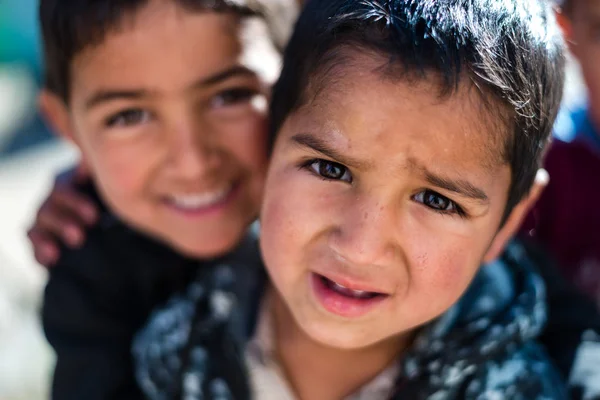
<point>407,137</point>
<point>166,101</point>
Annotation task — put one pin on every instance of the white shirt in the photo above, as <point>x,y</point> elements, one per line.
<point>268,381</point>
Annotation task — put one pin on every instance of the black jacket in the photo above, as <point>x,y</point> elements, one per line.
<point>97,297</point>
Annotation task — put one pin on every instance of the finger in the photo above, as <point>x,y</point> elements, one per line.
<point>51,221</point>
<point>73,203</point>
<point>45,251</point>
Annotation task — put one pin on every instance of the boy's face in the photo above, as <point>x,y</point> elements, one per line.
<point>171,121</point>
<point>381,202</point>
<point>582,30</point>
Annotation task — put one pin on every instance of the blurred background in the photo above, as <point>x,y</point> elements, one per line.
<point>30,157</point>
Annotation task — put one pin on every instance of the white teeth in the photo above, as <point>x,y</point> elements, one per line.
<point>343,288</point>
<point>200,200</point>
<point>360,294</point>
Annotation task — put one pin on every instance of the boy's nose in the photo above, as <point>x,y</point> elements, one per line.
<point>367,235</point>
<point>192,154</point>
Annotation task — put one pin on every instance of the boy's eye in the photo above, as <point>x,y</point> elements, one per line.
<point>233,97</point>
<point>437,202</point>
<point>330,170</point>
<point>129,117</point>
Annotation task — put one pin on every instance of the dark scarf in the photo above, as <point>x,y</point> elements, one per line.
<point>481,348</point>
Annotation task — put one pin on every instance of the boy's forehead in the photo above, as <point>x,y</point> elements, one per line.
<point>168,48</point>
<point>147,42</point>
<point>335,87</point>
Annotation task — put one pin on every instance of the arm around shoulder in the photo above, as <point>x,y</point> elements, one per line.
<point>85,319</point>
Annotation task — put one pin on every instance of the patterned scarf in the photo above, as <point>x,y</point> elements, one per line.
<point>481,348</point>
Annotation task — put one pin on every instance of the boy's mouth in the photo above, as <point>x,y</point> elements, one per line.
<point>202,202</point>
<point>344,301</point>
<point>344,291</point>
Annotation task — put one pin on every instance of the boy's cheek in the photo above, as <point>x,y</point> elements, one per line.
<point>283,207</point>
<point>433,292</point>
<point>450,273</point>
<point>120,174</point>
<point>441,267</point>
<point>248,140</point>
<point>294,211</point>
<point>440,263</point>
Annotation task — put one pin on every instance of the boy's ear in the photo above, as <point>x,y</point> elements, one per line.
<point>516,217</point>
<point>56,114</point>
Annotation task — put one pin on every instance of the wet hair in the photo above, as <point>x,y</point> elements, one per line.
<point>70,26</point>
<point>510,51</point>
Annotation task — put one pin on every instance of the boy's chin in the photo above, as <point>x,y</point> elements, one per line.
<point>206,249</point>
<point>344,336</point>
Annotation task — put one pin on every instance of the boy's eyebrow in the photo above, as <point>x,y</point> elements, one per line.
<point>106,95</point>
<point>460,186</point>
<point>236,70</point>
<point>318,144</point>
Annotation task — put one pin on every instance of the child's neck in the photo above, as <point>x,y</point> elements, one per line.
<point>316,371</point>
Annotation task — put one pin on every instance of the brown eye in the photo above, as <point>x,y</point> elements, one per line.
<point>437,202</point>
<point>330,170</point>
<point>128,117</point>
<point>433,200</point>
<point>233,97</point>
